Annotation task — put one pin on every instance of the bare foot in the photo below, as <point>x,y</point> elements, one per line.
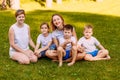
<point>108,57</point>
<point>60,64</point>
<point>70,64</point>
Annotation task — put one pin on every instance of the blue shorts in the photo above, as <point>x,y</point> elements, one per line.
<point>53,47</point>
<point>67,55</point>
<point>42,53</point>
<point>93,53</point>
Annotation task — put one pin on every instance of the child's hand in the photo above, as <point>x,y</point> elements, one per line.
<point>36,52</point>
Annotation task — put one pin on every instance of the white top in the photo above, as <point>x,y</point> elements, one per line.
<point>68,46</point>
<point>57,34</point>
<point>44,40</point>
<point>89,44</point>
<point>21,36</point>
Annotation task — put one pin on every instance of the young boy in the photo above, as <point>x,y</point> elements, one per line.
<point>67,46</point>
<point>89,43</point>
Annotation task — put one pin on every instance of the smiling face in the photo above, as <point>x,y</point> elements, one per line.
<point>88,33</point>
<point>20,18</point>
<point>44,29</point>
<point>58,22</point>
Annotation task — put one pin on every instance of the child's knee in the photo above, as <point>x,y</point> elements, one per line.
<point>106,52</point>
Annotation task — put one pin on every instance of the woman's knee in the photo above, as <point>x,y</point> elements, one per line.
<point>34,59</point>
<point>24,61</point>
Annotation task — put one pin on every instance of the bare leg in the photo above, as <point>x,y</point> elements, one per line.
<point>80,56</point>
<point>52,54</point>
<point>60,52</point>
<point>102,55</point>
<point>32,57</point>
<point>21,58</point>
<point>74,54</point>
<point>89,57</point>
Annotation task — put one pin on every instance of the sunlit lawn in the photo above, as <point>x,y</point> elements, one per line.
<point>107,7</point>
<point>106,30</point>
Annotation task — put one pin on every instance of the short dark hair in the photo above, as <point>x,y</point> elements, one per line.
<point>68,27</point>
<point>19,12</point>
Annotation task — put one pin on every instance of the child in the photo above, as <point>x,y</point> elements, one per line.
<point>89,43</point>
<point>67,46</point>
<point>44,39</point>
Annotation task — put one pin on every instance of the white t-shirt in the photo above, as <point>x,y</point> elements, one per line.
<point>68,46</point>
<point>89,44</point>
<point>44,40</point>
<point>21,36</point>
<point>57,34</point>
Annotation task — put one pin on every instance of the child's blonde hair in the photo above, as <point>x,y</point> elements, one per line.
<point>88,26</point>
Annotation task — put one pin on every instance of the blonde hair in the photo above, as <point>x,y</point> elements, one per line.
<point>88,26</point>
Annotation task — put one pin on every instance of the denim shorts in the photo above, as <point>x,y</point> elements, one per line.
<point>42,53</point>
<point>67,55</point>
<point>53,47</point>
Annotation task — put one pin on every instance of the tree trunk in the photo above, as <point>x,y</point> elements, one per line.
<point>15,4</point>
<point>4,4</point>
<point>59,1</point>
<point>49,3</point>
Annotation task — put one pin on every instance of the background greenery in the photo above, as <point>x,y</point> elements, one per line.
<point>106,30</point>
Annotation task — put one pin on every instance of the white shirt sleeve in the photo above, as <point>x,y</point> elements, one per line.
<point>80,41</point>
<point>96,42</point>
<point>53,34</point>
<point>39,39</point>
<point>73,39</point>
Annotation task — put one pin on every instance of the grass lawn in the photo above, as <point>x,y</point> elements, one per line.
<point>106,30</point>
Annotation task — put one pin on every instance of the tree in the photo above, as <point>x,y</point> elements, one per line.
<point>3,5</point>
<point>49,3</point>
<point>59,1</point>
<point>15,4</point>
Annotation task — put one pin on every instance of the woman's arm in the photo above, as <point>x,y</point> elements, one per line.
<point>74,34</point>
<point>30,39</point>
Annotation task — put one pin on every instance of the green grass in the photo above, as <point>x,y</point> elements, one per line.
<point>106,30</point>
